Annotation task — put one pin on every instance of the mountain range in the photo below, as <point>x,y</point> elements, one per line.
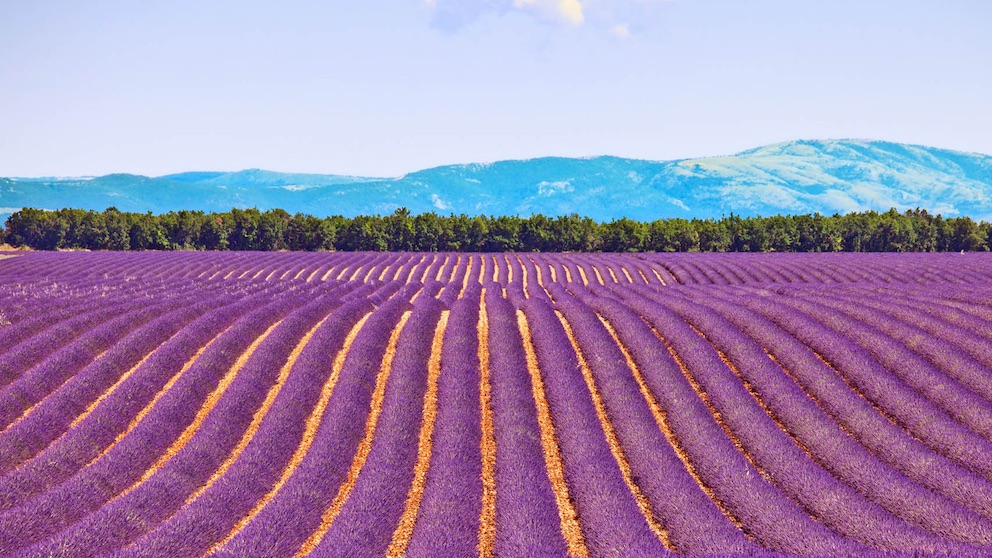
<point>826,176</point>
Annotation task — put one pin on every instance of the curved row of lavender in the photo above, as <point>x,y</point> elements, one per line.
<point>371,404</point>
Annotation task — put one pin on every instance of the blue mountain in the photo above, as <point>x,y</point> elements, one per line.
<point>826,176</point>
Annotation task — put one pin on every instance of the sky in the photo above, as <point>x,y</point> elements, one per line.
<point>386,87</point>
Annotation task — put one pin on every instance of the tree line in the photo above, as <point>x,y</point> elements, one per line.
<point>251,229</point>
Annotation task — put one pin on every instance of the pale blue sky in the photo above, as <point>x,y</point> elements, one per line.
<point>384,87</point>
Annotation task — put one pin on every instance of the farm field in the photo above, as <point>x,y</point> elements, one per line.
<point>371,404</point>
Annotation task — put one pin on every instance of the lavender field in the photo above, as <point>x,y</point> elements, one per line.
<point>372,404</point>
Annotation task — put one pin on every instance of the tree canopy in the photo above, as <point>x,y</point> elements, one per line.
<point>251,229</point>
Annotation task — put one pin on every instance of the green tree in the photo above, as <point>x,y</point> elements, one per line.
<point>623,235</point>
<point>214,231</point>
<point>672,235</point>
<point>118,229</point>
<point>504,234</point>
<point>967,236</point>
<point>714,236</point>
<point>428,233</point>
<point>147,233</point>
<point>363,233</point>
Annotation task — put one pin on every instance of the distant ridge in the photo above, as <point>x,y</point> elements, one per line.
<point>806,176</point>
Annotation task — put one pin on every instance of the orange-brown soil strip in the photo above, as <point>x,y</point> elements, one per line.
<point>400,267</point>
<point>328,273</point>
<point>582,274</point>
<point>404,530</point>
<point>468,273</point>
<point>416,294</point>
<point>427,269</point>
<point>613,275</point>
<point>523,276</point>
<point>551,272</point>
<point>611,439</point>
<point>341,273</point>
<point>313,274</point>
<point>309,433</point>
<point>409,275</point>
<point>357,271</point>
<point>368,274</point>
<point>384,272</point>
<point>627,274</point>
<point>599,276</point>
<point>487,517</point>
<point>570,528</point>
<point>440,268</point>
<point>364,447</point>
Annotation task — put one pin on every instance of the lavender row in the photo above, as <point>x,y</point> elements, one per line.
<point>27,327</point>
<point>936,392</point>
<point>885,390</point>
<point>527,522</point>
<point>37,382</point>
<point>610,517</point>
<point>104,479</point>
<point>448,520</point>
<point>207,519</point>
<point>916,372</point>
<point>770,512</point>
<point>52,415</point>
<point>159,496</point>
<point>295,512</point>
<point>898,448</point>
<point>82,444</point>
<point>47,340</point>
<point>955,364</point>
<point>372,511</point>
<point>884,491</point>
<point>68,303</point>
<point>692,520</point>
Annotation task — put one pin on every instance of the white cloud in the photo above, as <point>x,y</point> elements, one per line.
<point>563,11</point>
<point>453,14</point>
<point>621,30</point>
<point>611,16</point>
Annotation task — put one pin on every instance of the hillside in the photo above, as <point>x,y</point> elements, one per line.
<point>825,176</point>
